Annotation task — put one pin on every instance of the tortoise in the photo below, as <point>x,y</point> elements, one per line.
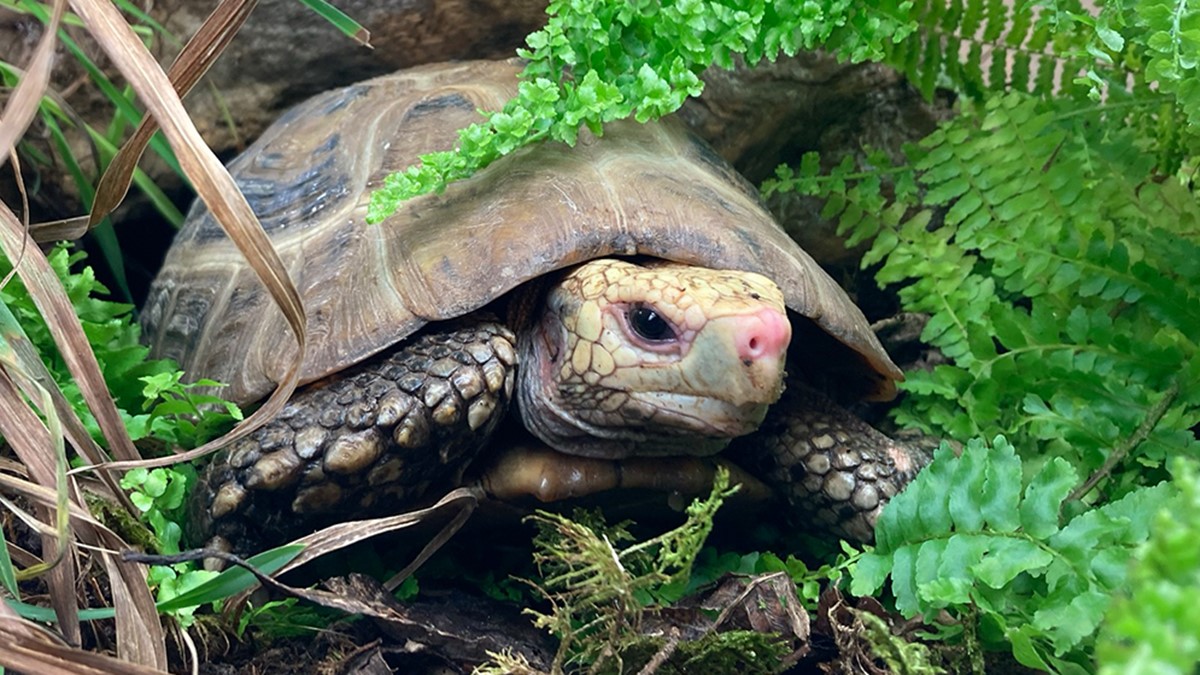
<point>630,298</point>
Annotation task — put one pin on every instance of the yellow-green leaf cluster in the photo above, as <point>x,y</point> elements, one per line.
<point>601,60</point>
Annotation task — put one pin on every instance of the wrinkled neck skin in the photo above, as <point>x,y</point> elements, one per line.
<point>590,392</point>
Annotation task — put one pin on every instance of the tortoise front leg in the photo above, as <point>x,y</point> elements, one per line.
<point>366,441</point>
<point>835,470</point>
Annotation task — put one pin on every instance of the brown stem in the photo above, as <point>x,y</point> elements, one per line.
<point>1140,434</point>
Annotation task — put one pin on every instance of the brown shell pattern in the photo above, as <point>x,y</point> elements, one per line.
<point>648,189</point>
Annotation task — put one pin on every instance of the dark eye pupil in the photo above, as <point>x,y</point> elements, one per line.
<point>649,325</point>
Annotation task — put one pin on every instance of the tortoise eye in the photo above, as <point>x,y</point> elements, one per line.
<point>649,325</point>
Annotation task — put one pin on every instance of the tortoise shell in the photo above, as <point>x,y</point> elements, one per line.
<point>642,189</point>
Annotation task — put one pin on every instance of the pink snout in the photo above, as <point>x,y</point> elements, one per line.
<point>763,334</point>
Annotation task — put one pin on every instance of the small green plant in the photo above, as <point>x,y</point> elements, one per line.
<point>711,565</point>
<point>285,618</point>
<point>969,535</point>
<point>182,413</point>
<point>599,589</point>
<point>172,581</point>
<point>601,60</point>
<point>159,495</point>
<point>1154,624</point>
<point>177,414</point>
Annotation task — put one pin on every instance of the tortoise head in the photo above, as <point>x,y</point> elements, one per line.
<point>652,359</point>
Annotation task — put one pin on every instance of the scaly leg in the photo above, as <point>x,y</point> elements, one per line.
<point>364,441</point>
<point>835,470</point>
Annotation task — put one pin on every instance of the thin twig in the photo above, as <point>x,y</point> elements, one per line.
<point>664,653</point>
<point>1119,453</point>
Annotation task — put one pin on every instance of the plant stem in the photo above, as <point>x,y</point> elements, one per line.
<point>1140,434</point>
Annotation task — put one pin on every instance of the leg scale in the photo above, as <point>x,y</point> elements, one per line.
<point>366,441</point>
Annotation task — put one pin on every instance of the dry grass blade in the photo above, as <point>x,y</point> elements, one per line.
<point>52,301</point>
<point>24,355</point>
<point>48,468</point>
<point>341,535</point>
<point>30,440</point>
<point>23,104</point>
<point>214,185</point>
<point>27,648</point>
<point>16,169</point>
<point>67,229</point>
<point>193,61</point>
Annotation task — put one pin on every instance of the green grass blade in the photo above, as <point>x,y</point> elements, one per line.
<point>8,577</point>
<point>46,615</point>
<point>340,20</point>
<point>82,183</point>
<point>233,580</point>
<point>123,105</point>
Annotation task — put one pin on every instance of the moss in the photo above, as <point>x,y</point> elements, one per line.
<point>741,651</point>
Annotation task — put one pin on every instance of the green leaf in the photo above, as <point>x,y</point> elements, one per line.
<point>1001,488</point>
<point>8,577</point>
<point>233,580</point>
<point>340,20</point>
<point>1044,497</point>
<point>1006,558</point>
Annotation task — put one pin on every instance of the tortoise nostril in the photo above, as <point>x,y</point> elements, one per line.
<point>763,334</point>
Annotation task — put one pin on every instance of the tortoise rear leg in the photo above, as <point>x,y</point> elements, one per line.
<point>362,442</point>
<point>835,470</point>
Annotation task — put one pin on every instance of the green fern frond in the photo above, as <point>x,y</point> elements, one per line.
<point>1065,293</point>
<point>1161,38</point>
<point>979,46</point>
<point>970,531</point>
<point>1155,625</point>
